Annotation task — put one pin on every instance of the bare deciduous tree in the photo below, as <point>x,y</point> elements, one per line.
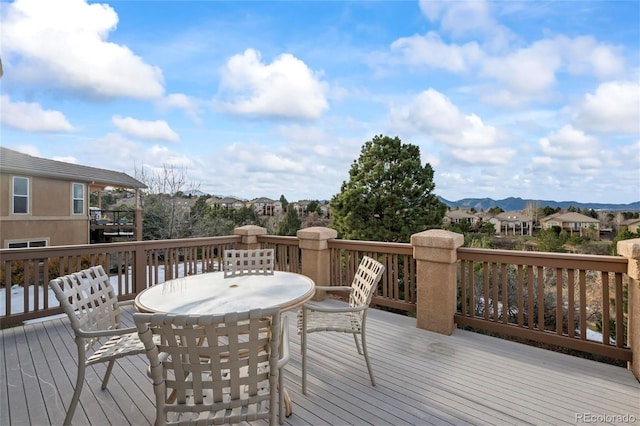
<point>163,212</point>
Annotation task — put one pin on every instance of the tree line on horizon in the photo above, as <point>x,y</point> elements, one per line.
<point>388,197</point>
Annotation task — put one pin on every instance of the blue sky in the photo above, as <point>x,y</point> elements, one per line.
<point>526,99</point>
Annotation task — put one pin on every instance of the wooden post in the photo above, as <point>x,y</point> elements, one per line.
<point>631,250</point>
<point>138,218</point>
<point>435,252</point>
<point>139,268</point>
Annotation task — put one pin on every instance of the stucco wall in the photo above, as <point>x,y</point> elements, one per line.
<point>50,213</point>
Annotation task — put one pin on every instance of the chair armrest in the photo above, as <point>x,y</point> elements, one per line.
<point>284,345</point>
<point>126,302</point>
<point>106,333</point>
<point>333,288</point>
<point>333,309</point>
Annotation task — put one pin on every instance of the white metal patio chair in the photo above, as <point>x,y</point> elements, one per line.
<point>248,262</point>
<point>215,369</point>
<point>89,301</point>
<point>317,316</point>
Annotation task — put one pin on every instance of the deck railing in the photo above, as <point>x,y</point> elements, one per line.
<point>551,298</point>
<point>133,266</point>
<point>397,288</point>
<point>287,252</point>
<point>546,297</point>
<point>113,217</point>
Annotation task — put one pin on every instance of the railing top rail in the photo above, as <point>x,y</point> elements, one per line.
<point>278,239</point>
<point>41,252</point>
<point>377,246</point>
<point>556,260</point>
<point>116,210</point>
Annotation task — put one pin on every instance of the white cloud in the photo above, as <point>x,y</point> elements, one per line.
<point>67,159</point>
<point>66,42</point>
<point>530,73</point>
<point>433,114</point>
<point>527,71</point>
<point>569,142</point>
<point>158,130</point>
<point>26,149</point>
<point>262,158</point>
<point>492,156</point>
<point>614,107</point>
<point>430,111</point>
<point>455,179</point>
<point>188,104</point>
<point>468,18</point>
<point>132,156</point>
<point>285,88</point>
<point>585,55</point>
<point>430,50</point>
<point>30,117</point>
<point>459,17</point>
<point>159,156</point>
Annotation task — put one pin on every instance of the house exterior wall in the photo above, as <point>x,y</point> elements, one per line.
<point>583,228</point>
<point>50,213</point>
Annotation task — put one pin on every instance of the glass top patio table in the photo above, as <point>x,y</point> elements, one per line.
<point>211,293</point>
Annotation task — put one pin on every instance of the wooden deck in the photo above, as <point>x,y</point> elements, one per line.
<point>422,378</point>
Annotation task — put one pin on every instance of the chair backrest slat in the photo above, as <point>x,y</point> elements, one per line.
<point>215,365</point>
<point>365,281</point>
<point>88,299</point>
<point>248,262</point>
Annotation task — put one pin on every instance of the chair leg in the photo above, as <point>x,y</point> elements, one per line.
<point>284,400</point>
<point>355,338</point>
<point>366,358</point>
<point>79,383</point>
<point>107,374</point>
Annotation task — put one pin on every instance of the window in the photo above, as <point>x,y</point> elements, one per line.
<point>26,244</point>
<point>20,195</point>
<point>78,198</point>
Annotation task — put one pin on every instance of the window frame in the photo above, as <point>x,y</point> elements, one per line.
<point>74,199</point>
<point>29,243</point>
<point>27,196</point>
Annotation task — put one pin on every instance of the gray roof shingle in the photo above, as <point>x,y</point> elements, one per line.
<point>16,162</point>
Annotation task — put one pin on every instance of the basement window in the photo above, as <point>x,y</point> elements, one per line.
<point>27,244</point>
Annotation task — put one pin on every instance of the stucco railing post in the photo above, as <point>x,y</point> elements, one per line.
<point>435,252</point>
<point>316,256</point>
<point>631,250</point>
<point>249,234</point>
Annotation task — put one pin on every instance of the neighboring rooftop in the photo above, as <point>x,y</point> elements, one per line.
<point>16,162</point>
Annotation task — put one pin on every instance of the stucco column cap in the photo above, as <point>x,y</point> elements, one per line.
<point>629,248</point>
<point>317,233</point>
<point>250,230</point>
<point>437,238</point>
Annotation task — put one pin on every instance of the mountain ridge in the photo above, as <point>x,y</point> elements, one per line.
<point>518,204</point>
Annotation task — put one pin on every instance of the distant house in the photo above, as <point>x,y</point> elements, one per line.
<point>573,222</point>
<point>228,203</point>
<point>264,206</point>
<point>326,211</point>
<point>46,202</point>
<point>631,225</point>
<point>454,217</point>
<point>301,207</point>
<point>512,223</point>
